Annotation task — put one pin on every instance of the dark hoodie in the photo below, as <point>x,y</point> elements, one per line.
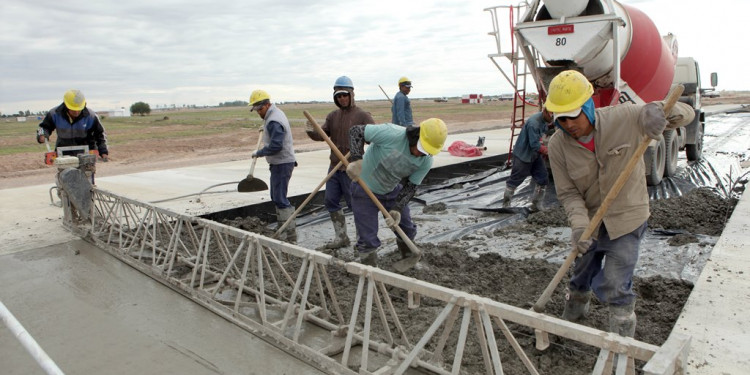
<point>339,122</point>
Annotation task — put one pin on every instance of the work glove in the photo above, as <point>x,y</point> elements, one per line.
<point>354,169</point>
<point>543,150</point>
<point>394,219</point>
<point>652,119</point>
<point>105,157</point>
<point>255,154</point>
<point>582,246</point>
<point>309,127</point>
<point>41,134</point>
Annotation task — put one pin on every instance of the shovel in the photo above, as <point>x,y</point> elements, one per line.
<point>611,195</point>
<point>309,198</point>
<point>403,264</point>
<point>250,183</point>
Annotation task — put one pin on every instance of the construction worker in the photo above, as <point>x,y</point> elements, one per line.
<point>279,153</point>
<point>337,126</point>
<point>401,106</point>
<point>587,153</point>
<point>394,153</point>
<point>527,159</point>
<point>76,125</point>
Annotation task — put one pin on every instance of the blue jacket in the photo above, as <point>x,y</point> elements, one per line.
<point>84,130</point>
<point>401,110</point>
<point>527,146</point>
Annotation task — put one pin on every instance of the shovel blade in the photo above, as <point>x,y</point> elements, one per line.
<point>404,265</point>
<point>250,185</point>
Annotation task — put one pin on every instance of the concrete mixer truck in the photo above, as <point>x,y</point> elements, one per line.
<point>617,47</point>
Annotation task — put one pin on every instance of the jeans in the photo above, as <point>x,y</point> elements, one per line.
<point>613,283</point>
<point>366,216</point>
<point>280,176</point>
<point>521,169</point>
<point>338,186</point>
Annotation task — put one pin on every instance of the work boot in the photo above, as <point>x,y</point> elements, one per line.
<point>536,200</point>
<point>507,196</point>
<point>290,233</point>
<point>403,248</point>
<point>576,305</point>
<point>368,256</point>
<point>622,319</point>
<point>339,227</point>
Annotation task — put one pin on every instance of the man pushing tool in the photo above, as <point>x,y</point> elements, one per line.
<point>394,153</point>
<point>587,154</point>
<point>337,126</point>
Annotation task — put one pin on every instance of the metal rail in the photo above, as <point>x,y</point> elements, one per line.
<point>363,323</point>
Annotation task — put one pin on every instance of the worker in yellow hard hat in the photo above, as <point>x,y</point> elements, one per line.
<point>401,106</point>
<point>587,153</point>
<point>394,153</point>
<point>278,149</point>
<point>76,125</point>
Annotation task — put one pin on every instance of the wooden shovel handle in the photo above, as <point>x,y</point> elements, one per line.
<point>361,183</point>
<point>672,98</point>
<point>255,159</point>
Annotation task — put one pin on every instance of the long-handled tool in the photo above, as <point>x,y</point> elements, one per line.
<point>386,95</point>
<point>309,198</point>
<point>403,264</point>
<point>611,195</point>
<point>250,183</point>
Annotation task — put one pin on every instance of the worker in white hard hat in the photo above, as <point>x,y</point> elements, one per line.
<point>394,153</point>
<point>587,153</point>
<point>336,126</point>
<point>76,125</point>
<point>278,149</point>
<point>401,106</point>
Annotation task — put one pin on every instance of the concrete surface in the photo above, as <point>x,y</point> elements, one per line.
<point>93,314</point>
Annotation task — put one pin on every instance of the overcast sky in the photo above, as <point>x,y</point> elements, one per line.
<point>204,52</point>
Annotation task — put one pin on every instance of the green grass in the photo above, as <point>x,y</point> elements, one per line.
<point>18,137</point>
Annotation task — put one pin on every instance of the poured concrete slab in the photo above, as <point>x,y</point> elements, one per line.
<point>93,314</point>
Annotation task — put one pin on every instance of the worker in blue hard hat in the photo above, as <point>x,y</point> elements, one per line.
<point>401,106</point>
<point>336,126</point>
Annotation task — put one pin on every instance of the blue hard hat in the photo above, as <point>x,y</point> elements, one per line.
<point>343,81</point>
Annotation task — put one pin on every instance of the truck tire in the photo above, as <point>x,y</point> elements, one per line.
<point>695,151</point>
<point>654,160</point>
<point>671,152</point>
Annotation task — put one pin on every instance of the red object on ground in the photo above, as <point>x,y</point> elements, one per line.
<point>461,148</point>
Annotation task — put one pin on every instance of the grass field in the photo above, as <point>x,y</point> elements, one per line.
<point>18,137</point>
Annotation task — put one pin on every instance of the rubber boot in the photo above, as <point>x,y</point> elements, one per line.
<point>622,319</point>
<point>403,248</point>
<point>577,305</point>
<point>507,196</point>
<point>290,233</point>
<point>368,256</point>
<point>339,227</point>
<point>536,200</point>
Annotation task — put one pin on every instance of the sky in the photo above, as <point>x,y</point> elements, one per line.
<point>205,52</point>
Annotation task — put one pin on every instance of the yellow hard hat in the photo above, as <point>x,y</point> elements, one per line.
<point>74,100</point>
<point>568,91</point>
<point>403,81</point>
<point>258,98</point>
<point>432,134</point>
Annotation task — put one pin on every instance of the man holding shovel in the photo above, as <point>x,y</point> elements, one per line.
<point>337,126</point>
<point>394,153</point>
<point>279,153</point>
<point>587,154</point>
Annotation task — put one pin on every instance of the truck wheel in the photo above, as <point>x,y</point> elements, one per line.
<point>671,152</point>
<point>654,159</point>
<point>695,151</point>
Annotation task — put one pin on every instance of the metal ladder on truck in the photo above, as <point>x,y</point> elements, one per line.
<point>519,68</point>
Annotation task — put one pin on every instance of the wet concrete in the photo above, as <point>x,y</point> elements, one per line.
<point>93,314</point>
